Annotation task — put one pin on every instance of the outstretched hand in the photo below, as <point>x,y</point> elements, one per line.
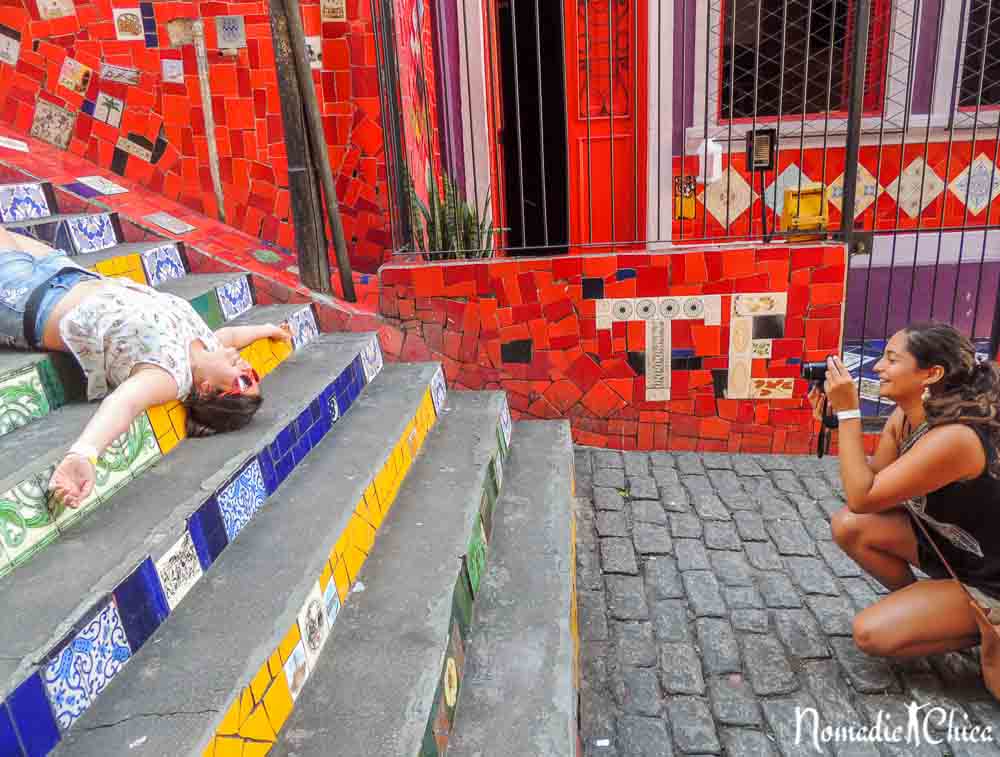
<point>73,481</point>
<point>282,333</point>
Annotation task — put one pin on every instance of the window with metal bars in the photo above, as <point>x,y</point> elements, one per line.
<point>792,58</point>
<point>980,82</point>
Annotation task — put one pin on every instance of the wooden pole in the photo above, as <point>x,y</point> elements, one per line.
<point>317,143</point>
<point>310,232</point>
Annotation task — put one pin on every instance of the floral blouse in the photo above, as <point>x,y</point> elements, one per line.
<point>126,324</point>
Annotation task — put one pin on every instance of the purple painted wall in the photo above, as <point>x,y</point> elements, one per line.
<point>449,86</point>
<point>684,56</point>
<point>923,84</point>
<point>889,293</point>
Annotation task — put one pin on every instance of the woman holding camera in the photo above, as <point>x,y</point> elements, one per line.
<point>936,468</point>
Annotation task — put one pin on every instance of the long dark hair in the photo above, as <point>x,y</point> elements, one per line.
<point>213,413</point>
<point>969,391</point>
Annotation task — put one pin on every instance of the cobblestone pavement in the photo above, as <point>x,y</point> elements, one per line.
<point>713,602</point>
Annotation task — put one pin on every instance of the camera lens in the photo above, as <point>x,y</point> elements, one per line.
<point>814,371</point>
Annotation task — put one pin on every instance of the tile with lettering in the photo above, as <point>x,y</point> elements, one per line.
<point>658,351</point>
<point>120,74</point>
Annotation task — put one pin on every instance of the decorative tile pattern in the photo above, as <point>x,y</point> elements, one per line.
<point>120,74</point>
<point>506,425</point>
<point>728,198</point>
<point>978,185</point>
<point>790,178</point>
<point>314,625</point>
<point>173,71</point>
<point>170,223</point>
<point>866,193</point>
<point>163,263</point>
<point>53,124</point>
<point>10,45</point>
<point>331,601</point>
<point>241,498</point>
<point>179,569</point>
<point>439,390</point>
<point>231,32</point>
<point>25,522</point>
<point>22,400</point>
<point>235,297</point>
<point>128,24</point>
<point>916,188</point>
<point>101,185</point>
<point>371,358</point>
<point>109,109</point>
<point>297,670</point>
<point>304,328</point>
<point>19,202</point>
<point>770,303</point>
<point>50,9</point>
<point>75,76</point>
<point>314,51</point>
<point>92,233</point>
<point>86,665</point>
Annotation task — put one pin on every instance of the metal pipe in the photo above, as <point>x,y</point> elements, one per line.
<point>855,112</point>
<point>317,141</point>
<point>201,56</point>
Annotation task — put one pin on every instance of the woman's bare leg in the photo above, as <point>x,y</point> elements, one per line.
<point>926,617</point>
<point>11,241</point>
<point>884,544</point>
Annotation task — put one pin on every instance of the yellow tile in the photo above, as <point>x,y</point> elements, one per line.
<point>274,663</point>
<point>354,559</point>
<point>246,705</point>
<point>159,420</point>
<point>228,747</point>
<point>231,722</point>
<point>178,419</point>
<point>288,643</point>
<point>383,485</point>
<point>210,749</point>
<point>343,542</point>
<point>326,576</point>
<point>257,727</point>
<point>256,748</point>
<point>278,703</point>
<point>281,350</point>
<point>168,441</point>
<point>363,537</point>
<point>372,497</point>
<point>342,579</point>
<point>259,683</point>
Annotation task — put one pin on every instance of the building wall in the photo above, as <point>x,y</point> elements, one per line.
<point>684,350</point>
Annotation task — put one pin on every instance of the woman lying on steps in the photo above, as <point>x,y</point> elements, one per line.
<point>148,346</point>
<point>937,461</point>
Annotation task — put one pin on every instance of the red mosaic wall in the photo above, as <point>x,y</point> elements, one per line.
<point>56,52</point>
<point>531,327</point>
<point>888,173</point>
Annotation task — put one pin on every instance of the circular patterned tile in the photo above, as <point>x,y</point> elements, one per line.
<point>694,307</point>
<point>670,308</point>
<point>622,310</point>
<point>645,309</point>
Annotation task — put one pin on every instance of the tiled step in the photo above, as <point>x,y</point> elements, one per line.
<point>236,652</point>
<point>76,612</point>
<point>218,297</point>
<point>150,263</point>
<point>387,685</point>
<point>519,694</point>
<point>73,233</point>
<point>26,201</point>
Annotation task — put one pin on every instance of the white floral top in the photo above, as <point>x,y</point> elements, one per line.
<point>126,324</point>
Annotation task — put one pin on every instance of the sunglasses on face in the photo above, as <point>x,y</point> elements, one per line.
<point>244,382</point>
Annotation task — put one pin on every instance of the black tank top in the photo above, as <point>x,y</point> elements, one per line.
<point>962,518</point>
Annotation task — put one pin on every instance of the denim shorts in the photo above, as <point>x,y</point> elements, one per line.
<point>33,283</point>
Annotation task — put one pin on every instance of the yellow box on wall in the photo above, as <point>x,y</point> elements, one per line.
<point>805,209</point>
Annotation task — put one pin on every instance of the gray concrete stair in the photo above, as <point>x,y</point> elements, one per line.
<point>223,652</point>
<point>519,693</point>
<point>147,515</point>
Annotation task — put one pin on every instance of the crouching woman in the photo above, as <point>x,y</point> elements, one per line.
<point>936,468</point>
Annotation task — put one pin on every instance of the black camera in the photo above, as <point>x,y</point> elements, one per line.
<point>815,372</point>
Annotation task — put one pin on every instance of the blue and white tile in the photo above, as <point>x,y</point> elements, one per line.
<point>179,569</point>
<point>163,263</point>
<point>92,233</point>
<point>439,390</point>
<point>371,358</point>
<point>304,328</point>
<point>867,191</point>
<point>331,600</point>
<point>241,498</point>
<point>506,426</point>
<point>86,665</point>
<point>916,188</point>
<point>20,202</point>
<point>978,185</point>
<point>728,198</point>
<point>235,297</point>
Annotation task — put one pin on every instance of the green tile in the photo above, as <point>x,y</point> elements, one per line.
<point>144,450</point>
<point>207,306</point>
<point>461,604</point>
<point>25,522</point>
<point>476,555</point>
<point>53,384</point>
<point>22,400</point>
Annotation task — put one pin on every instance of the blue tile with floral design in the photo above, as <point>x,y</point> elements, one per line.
<point>241,498</point>
<point>21,202</point>
<point>92,233</point>
<point>303,326</point>
<point>163,263</point>
<point>235,297</point>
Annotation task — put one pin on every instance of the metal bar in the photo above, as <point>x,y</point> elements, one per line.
<point>829,94</point>
<point>495,100</point>
<point>659,125</point>
<point>855,113</point>
<point>541,117</point>
<point>317,144</point>
<point>805,99</point>
<point>385,108</point>
<point>590,143</point>
<point>753,127</point>
<point>517,111</point>
<point>704,177</point>
<point>781,109</point>
<point>468,88</point>
<point>612,62</point>
<point>732,115</point>
<point>634,62</point>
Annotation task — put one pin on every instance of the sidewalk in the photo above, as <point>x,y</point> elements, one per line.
<point>713,602</point>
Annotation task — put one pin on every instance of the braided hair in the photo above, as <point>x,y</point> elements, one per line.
<point>212,413</point>
<point>969,391</point>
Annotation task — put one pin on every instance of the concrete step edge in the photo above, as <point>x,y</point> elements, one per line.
<point>519,694</point>
<point>269,581</point>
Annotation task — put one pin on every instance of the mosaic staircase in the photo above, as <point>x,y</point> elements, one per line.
<point>189,606</point>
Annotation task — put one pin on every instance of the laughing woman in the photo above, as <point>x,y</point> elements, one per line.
<point>137,347</point>
<point>936,468</point>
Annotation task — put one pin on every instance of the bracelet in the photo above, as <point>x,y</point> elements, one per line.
<point>85,451</point>
<point>847,415</point>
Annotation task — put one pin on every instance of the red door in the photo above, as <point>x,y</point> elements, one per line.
<point>606,65</point>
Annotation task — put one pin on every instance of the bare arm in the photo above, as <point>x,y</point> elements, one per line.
<point>243,336</point>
